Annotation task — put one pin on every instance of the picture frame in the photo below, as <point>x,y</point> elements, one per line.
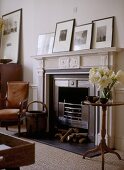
<point>103,32</point>
<point>82,37</point>
<point>63,36</point>
<point>45,43</point>
<point>11,35</point>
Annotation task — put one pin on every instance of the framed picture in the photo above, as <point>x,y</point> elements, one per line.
<point>63,36</point>
<point>11,35</point>
<point>45,43</point>
<point>82,37</point>
<point>103,32</point>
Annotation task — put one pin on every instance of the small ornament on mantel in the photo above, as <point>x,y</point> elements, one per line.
<point>1,31</point>
<point>1,24</point>
<point>1,27</point>
<point>5,61</point>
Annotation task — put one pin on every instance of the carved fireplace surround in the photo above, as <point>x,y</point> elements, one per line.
<point>75,63</point>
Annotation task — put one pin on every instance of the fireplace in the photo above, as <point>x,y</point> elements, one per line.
<point>66,109</point>
<point>50,67</point>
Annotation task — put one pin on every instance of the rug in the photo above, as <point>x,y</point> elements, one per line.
<point>52,158</point>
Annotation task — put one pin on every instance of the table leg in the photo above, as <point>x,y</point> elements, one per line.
<point>102,153</point>
<point>113,152</point>
<point>102,161</point>
<point>91,151</point>
<point>102,146</point>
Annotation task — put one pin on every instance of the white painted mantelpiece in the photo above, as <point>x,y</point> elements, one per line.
<point>77,60</point>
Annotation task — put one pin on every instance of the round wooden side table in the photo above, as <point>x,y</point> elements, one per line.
<point>102,145</point>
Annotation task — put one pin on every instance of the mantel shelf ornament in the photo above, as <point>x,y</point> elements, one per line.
<point>1,24</point>
<point>1,28</point>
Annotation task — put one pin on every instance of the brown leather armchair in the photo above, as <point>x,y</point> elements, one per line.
<point>15,103</point>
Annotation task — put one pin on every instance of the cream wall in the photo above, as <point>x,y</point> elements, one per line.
<point>41,16</point>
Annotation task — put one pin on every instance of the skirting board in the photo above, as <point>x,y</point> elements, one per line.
<point>109,140</point>
<point>119,143</point>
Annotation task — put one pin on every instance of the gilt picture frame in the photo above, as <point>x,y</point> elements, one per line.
<point>82,37</point>
<point>103,33</point>
<point>11,35</point>
<point>63,36</point>
<point>45,43</point>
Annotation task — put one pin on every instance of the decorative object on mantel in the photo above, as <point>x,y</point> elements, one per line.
<point>82,37</point>
<point>11,35</point>
<point>103,32</point>
<point>105,79</point>
<point>45,43</point>
<point>1,29</point>
<point>5,61</point>
<point>63,36</point>
<point>1,24</point>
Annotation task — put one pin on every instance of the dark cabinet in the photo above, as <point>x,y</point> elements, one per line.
<point>9,72</point>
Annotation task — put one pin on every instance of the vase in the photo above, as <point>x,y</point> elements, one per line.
<point>105,96</point>
<point>103,100</point>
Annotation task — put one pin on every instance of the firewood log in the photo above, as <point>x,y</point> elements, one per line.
<point>82,140</point>
<point>75,139</point>
<point>76,130</point>
<point>70,137</point>
<point>58,135</point>
<point>63,131</point>
<point>81,135</point>
<point>66,134</point>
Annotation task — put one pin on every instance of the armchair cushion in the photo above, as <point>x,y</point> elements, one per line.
<point>9,114</point>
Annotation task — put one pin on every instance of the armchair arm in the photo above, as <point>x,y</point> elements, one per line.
<point>23,105</point>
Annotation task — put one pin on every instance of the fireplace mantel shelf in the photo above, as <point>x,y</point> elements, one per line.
<point>80,52</point>
<point>78,59</point>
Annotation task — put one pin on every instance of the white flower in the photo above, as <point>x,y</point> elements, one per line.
<point>104,82</point>
<point>105,78</point>
<point>120,76</point>
<point>93,76</point>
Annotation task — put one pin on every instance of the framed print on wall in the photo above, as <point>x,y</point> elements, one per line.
<point>103,32</point>
<point>63,36</point>
<point>82,37</point>
<point>11,35</point>
<point>45,43</point>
